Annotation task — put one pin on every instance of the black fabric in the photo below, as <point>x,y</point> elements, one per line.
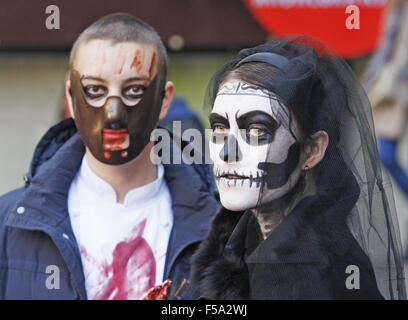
<point>304,258</point>
<point>274,59</point>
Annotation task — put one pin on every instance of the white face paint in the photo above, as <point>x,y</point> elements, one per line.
<point>252,128</point>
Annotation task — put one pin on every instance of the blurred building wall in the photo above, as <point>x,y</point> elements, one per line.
<point>30,90</point>
<point>202,24</point>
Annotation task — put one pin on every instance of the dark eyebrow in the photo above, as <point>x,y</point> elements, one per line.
<point>138,79</point>
<point>253,113</point>
<point>257,116</point>
<point>216,117</point>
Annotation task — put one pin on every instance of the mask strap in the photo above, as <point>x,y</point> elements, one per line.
<point>273,59</point>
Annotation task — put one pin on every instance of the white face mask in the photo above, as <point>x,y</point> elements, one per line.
<point>252,144</point>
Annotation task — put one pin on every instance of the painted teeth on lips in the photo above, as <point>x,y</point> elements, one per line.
<point>232,175</point>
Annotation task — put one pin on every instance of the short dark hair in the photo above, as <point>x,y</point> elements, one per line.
<point>123,27</point>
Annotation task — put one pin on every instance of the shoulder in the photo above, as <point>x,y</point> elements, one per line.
<point>7,201</point>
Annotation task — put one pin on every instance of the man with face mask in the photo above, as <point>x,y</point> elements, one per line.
<point>96,218</point>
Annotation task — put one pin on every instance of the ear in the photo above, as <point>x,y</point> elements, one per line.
<point>168,98</point>
<point>316,149</point>
<point>69,97</point>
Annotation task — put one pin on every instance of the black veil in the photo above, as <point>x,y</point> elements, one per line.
<point>352,198</point>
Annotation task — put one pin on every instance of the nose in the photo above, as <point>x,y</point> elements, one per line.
<point>231,152</point>
<point>115,113</point>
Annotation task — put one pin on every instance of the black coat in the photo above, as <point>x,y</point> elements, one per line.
<point>305,257</point>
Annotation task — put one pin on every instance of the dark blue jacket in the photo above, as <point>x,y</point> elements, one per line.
<point>35,229</point>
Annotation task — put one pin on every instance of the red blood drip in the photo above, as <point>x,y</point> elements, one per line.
<point>120,61</point>
<point>107,155</point>
<point>152,65</point>
<point>137,62</point>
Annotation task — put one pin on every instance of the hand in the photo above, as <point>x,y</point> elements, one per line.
<point>159,292</point>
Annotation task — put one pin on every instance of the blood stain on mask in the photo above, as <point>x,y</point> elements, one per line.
<point>120,60</point>
<point>152,65</point>
<point>137,62</point>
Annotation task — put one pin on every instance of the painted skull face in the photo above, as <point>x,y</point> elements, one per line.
<point>116,98</point>
<point>254,148</point>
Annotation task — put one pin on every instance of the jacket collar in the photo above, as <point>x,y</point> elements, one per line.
<point>220,266</point>
<point>45,198</point>
<point>300,238</point>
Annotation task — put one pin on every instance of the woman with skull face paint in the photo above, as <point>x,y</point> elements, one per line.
<point>307,212</point>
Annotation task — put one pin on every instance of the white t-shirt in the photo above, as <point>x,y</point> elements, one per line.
<point>123,246</point>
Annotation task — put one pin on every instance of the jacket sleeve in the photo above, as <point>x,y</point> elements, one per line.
<point>7,203</point>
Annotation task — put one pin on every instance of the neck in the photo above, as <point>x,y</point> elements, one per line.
<point>125,177</point>
<point>270,215</point>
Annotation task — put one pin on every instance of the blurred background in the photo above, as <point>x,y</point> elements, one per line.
<point>200,36</point>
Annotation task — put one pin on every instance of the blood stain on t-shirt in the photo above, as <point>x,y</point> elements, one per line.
<point>133,268</point>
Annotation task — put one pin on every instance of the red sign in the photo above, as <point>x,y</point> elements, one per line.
<point>351,28</point>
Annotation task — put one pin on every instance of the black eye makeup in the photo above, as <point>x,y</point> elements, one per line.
<point>219,126</point>
<point>134,91</point>
<point>95,91</point>
<point>257,126</point>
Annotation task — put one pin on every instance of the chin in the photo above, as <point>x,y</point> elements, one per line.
<point>238,199</point>
<point>236,206</point>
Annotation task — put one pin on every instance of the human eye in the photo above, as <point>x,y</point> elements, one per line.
<point>134,91</point>
<point>95,91</point>
<point>219,128</point>
<point>256,130</point>
<point>219,132</point>
<point>258,133</point>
